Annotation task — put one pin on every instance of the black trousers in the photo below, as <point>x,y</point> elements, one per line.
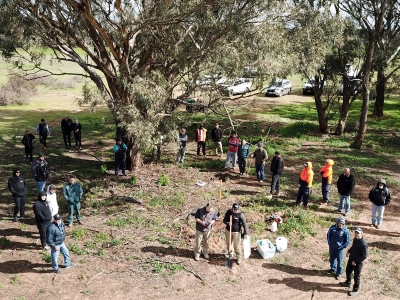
<point>67,138</point>
<point>201,145</point>
<point>275,183</point>
<point>43,139</point>
<point>28,152</point>
<point>78,139</point>
<point>357,274</point>
<point>19,206</point>
<point>42,232</point>
<point>242,164</point>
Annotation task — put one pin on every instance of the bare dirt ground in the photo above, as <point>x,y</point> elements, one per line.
<point>124,272</point>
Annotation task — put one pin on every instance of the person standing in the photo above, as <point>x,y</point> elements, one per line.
<point>43,130</point>
<point>216,136</point>
<point>18,189</point>
<point>260,156</point>
<point>345,185</point>
<point>27,140</point>
<point>41,172</point>
<point>77,129</point>
<point>55,239</point>
<point>157,140</point>
<point>205,218</point>
<point>326,173</point>
<point>357,253</point>
<point>201,137</point>
<point>43,217</point>
<point>120,150</point>
<point>182,140</point>
<point>233,147</point>
<point>66,128</point>
<point>338,238</point>
<point>73,193</point>
<point>305,181</point>
<point>238,222</point>
<point>380,197</point>
<point>243,154</point>
<point>277,165</point>
<point>52,199</point>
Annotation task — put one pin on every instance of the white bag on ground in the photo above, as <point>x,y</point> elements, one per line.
<point>281,243</point>
<point>246,247</point>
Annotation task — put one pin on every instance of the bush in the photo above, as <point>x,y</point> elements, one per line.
<point>163,180</point>
<point>17,91</point>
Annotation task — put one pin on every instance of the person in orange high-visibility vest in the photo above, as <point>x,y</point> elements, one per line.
<point>201,137</point>
<point>326,173</point>
<point>305,181</point>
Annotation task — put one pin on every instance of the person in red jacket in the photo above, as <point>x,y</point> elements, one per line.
<point>305,180</point>
<point>326,173</point>
<point>233,146</point>
<point>201,137</point>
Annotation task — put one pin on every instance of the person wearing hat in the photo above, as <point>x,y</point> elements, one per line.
<point>205,218</point>
<point>305,181</point>
<point>338,238</point>
<point>201,138</point>
<point>277,165</point>
<point>238,222</point>
<point>357,253</point>
<point>52,199</point>
<point>380,197</point>
<point>43,217</point>
<point>18,189</point>
<point>41,171</point>
<point>66,128</point>
<point>27,140</point>
<point>55,239</point>
<point>326,174</point>
<point>73,193</point>
<point>43,130</point>
<point>231,154</point>
<point>216,136</point>
<point>120,150</point>
<point>243,154</point>
<point>260,156</point>
<point>345,185</point>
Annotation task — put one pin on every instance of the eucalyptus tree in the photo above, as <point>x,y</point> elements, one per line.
<point>139,53</point>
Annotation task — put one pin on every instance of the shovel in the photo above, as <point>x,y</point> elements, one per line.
<point>219,199</point>
<point>228,263</point>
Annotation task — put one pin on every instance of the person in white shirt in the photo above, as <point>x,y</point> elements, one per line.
<point>52,200</point>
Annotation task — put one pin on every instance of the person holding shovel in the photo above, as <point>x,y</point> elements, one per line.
<point>205,218</point>
<point>234,220</point>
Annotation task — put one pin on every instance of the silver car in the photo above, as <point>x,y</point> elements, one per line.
<point>279,88</point>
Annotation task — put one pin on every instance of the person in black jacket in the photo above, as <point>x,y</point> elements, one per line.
<point>27,140</point>
<point>43,217</point>
<point>216,136</point>
<point>238,222</point>
<point>41,171</point>
<point>66,129</point>
<point>18,189</point>
<point>345,185</point>
<point>277,165</point>
<point>43,130</point>
<point>77,128</point>
<point>380,197</point>
<point>357,253</point>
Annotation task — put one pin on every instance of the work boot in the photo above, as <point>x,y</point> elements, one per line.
<point>196,258</point>
<point>15,219</point>
<point>353,293</point>
<point>239,260</point>
<point>206,256</point>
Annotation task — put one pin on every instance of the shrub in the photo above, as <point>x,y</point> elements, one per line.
<point>17,91</point>
<point>163,180</point>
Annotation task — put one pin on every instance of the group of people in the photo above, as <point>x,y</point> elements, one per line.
<point>42,129</point>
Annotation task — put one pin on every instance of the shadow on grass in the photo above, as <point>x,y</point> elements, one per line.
<point>385,246</point>
<point>23,266</point>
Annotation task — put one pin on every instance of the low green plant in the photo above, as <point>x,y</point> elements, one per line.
<point>133,180</point>
<point>101,252</point>
<point>76,249</point>
<point>78,233</point>
<point>163,240</point>
<point>90,245</point>
<point>116,242</point>
<point>23,226</point>
<point>42,291</point>
<point>102,237</point>
<point>163,180</point>
<point>4,242</point>
<point>46,257</point>
<point>161,267</point>
<point>81,277</point>
<point>15,280</point>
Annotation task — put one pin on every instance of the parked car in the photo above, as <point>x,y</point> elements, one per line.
<point>308,87</point>
<point>207,81</point>
<point>237,86</point>
<point>357,87</point>
<point>279,88</point>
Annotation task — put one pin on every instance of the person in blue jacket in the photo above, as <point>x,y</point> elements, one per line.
<point>120,156</point>
<point>338,239</point>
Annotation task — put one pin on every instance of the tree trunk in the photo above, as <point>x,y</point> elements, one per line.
<point>134,157</point>
<point>380,93</point>
<point>321,110</point>
<point>344,114</point>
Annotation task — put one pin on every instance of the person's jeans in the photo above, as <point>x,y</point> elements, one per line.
<point>201,145</point>
<point>231,156</point>
<point>201,237</point>
<point>303,195</point>
<point>218,147</point>
<point>54,256</point>
<point>40,185</point>
<point>346,200</point>
<point>242,161</point>
<point>19,206</point>
<point>180,156</point>
<point>380,209</point>
<point>71,207</point>
<point>357,274</point>
<point>120,163</point>
<point>325,191</point>
<point>260,172</point>
<point>236,241</point>
<point>276,183</point>
<point>67,138</point>
<point>336,260</point>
